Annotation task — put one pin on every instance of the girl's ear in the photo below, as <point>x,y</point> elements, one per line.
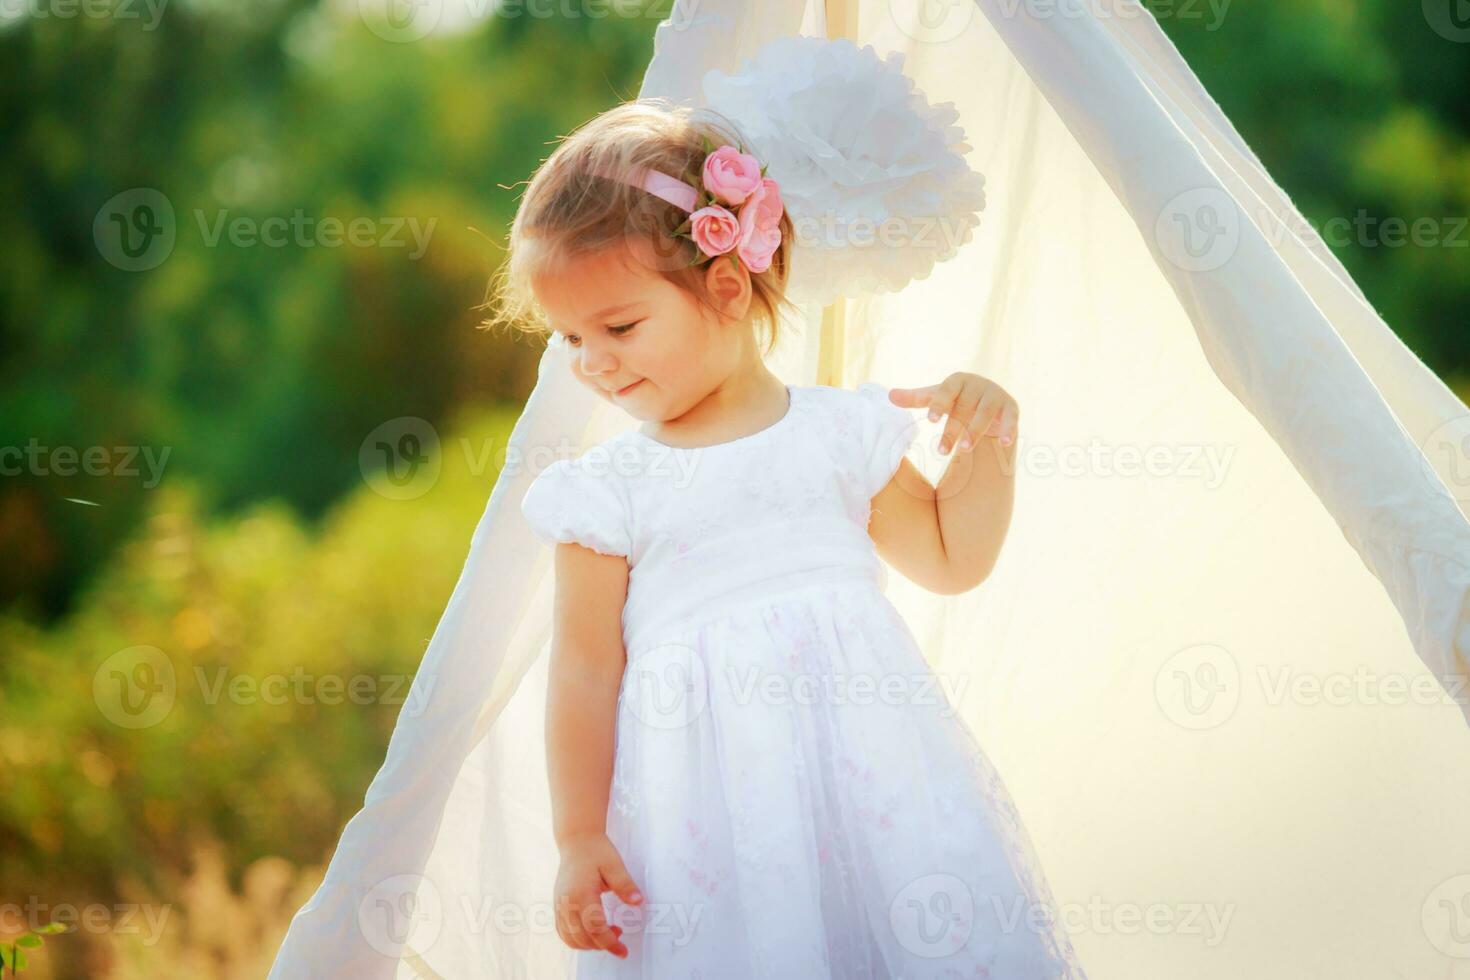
<point>728,284</point>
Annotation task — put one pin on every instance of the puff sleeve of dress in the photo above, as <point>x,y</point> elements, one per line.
<point>567,503</point>
<point>888,431</point>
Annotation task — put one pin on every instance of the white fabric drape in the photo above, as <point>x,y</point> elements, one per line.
<point>1220,663</point>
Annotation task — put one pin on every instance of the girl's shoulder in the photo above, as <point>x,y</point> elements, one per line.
<point>868,429</point>
<point>865,392</point>
<point>865,406</point>
<point>581,499</point>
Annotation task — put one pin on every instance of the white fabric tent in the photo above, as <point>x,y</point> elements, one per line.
<point>1221,663</point>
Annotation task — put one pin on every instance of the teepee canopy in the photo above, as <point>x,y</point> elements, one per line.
<point>1222,661</point>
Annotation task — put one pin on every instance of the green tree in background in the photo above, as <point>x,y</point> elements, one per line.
<point>258,368</point>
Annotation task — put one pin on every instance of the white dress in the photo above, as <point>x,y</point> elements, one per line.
<point>791,790</point>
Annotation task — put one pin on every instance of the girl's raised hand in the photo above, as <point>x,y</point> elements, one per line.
<point>591,865</point>
<point>976,406</point>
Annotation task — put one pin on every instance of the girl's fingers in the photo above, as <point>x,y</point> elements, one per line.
<point>995,417</point>
<point>962,409</point>
<point>616,877</point>
<point>594,920</point>
<point>580,939</point>
<point>942,402</point>
<point>969,434</point>
<point>987,421</point>
<point>988,416</point>
<point>1009,424</point>
<point>956,429</point>
<point>993,413</point>
<point>912,397</point>
<point>563,922</point>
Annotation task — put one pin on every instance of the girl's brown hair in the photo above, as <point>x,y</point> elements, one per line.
<point>568,211</point>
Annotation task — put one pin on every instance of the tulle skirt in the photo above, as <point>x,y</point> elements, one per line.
<point>795,797</point>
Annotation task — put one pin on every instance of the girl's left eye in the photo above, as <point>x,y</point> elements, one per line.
<point>575,341</point>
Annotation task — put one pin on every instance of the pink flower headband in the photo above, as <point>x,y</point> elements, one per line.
<point>752,231</point>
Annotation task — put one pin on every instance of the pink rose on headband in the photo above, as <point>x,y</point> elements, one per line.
<point>731,176</point>
<point>760,226</point>
<point>714,229</point>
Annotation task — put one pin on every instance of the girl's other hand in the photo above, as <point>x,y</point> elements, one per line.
<point>976,407</point>
<point>591,865</point>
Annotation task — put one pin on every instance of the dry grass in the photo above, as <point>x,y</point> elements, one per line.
<point>205,929</point>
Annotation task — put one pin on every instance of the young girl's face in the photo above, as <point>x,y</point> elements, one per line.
<point>641,342</point>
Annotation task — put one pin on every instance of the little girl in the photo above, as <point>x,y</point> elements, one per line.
<point>754,772</point>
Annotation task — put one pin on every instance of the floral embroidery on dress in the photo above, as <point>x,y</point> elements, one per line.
<point>705,878</point>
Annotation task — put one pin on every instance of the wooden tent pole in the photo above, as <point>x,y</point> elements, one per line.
<point>831,352</point>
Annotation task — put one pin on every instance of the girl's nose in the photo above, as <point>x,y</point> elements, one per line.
<point>596,361</point>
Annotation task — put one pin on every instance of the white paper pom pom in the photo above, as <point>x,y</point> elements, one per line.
<point>873,177</point>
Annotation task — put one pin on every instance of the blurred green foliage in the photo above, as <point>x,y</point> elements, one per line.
<point>259,368</point>
<point>282,656</point>
<point>251,374</point>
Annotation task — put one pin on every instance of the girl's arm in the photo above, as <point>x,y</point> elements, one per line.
<point>586,671</point>
<point>585,674</point>
<point>948,538</point>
